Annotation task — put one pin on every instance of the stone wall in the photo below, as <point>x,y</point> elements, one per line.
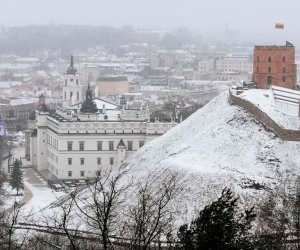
<point>269,124</point>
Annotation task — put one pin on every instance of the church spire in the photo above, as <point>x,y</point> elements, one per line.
<point>71,70</point>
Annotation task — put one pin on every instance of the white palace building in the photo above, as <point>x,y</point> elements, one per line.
<point>84,136</point>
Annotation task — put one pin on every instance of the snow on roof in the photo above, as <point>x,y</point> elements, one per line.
<point>4,85</point>
<point>101,103</point>
<point>14,66</point>
<point>264,99</point>
<point>27,59</point>
<point>22,101</point>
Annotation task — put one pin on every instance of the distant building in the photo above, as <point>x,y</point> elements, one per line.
<point>275,65</point>
<point>112,85</point>
<point>15,112</point>
<point>206,66</point>
<point>234,63</point>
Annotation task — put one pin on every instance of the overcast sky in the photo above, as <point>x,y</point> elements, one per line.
<point>251,18</point>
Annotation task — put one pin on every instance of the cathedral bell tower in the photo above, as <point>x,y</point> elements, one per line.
<point>72,88</point>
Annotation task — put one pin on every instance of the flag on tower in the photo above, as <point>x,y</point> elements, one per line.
<point>279,26</point>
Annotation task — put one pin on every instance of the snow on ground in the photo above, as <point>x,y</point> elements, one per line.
<point>264,99</point>
<point>218,146</point>
<point>39,194</point>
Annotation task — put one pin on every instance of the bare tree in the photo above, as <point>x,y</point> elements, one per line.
<point>151,215</point>
<point>277,214</point>
<point>100,202</point>
<point>9,225</point>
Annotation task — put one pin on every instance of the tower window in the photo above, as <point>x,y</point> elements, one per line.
<point>270,59</point>
<point>257,69</point>
<point>269,80</point>
<point>77,95</point>
<point>283,59</point>
<point>71,94</point>
<point>283,78</point>
<point>269,70</point>
<point>283,70</point>
<point>257,58</point>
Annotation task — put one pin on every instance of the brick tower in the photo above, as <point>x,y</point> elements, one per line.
<point>275,65</point>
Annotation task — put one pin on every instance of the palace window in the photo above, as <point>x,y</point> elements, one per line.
<point>69,161</point>
<point>111,145</point>
<point>99,145</point>
<point>81,146</point>
<point>70,146</point>
<point>69,173</point>
<point>81,161</point>
<point>141,143</point>
<point>129,145</point>
<point>82,173</point>
<point>99,161</point>
<point>111,160</point>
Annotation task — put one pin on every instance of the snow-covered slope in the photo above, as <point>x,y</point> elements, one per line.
<point>219,145</point>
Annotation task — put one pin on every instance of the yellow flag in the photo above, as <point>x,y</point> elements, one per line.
<point>279,26</point>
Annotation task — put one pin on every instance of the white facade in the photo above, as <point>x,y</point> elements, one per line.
<point>234,64</point>
<point>72,149</point>
<point>206,66</point>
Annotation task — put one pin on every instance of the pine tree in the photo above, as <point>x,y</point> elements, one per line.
<point>219,226</point>
<point>16,177</point>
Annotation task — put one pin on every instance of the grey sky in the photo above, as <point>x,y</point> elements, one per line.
<point>248,17</point>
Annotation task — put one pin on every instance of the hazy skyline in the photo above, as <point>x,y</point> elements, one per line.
<point>253,20</point>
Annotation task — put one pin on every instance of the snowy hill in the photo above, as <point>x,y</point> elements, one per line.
<point>219,145</point>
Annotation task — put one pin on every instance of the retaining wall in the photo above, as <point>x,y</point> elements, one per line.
<point>267,121</point>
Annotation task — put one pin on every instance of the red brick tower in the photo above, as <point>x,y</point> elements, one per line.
<point>275,65</point>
